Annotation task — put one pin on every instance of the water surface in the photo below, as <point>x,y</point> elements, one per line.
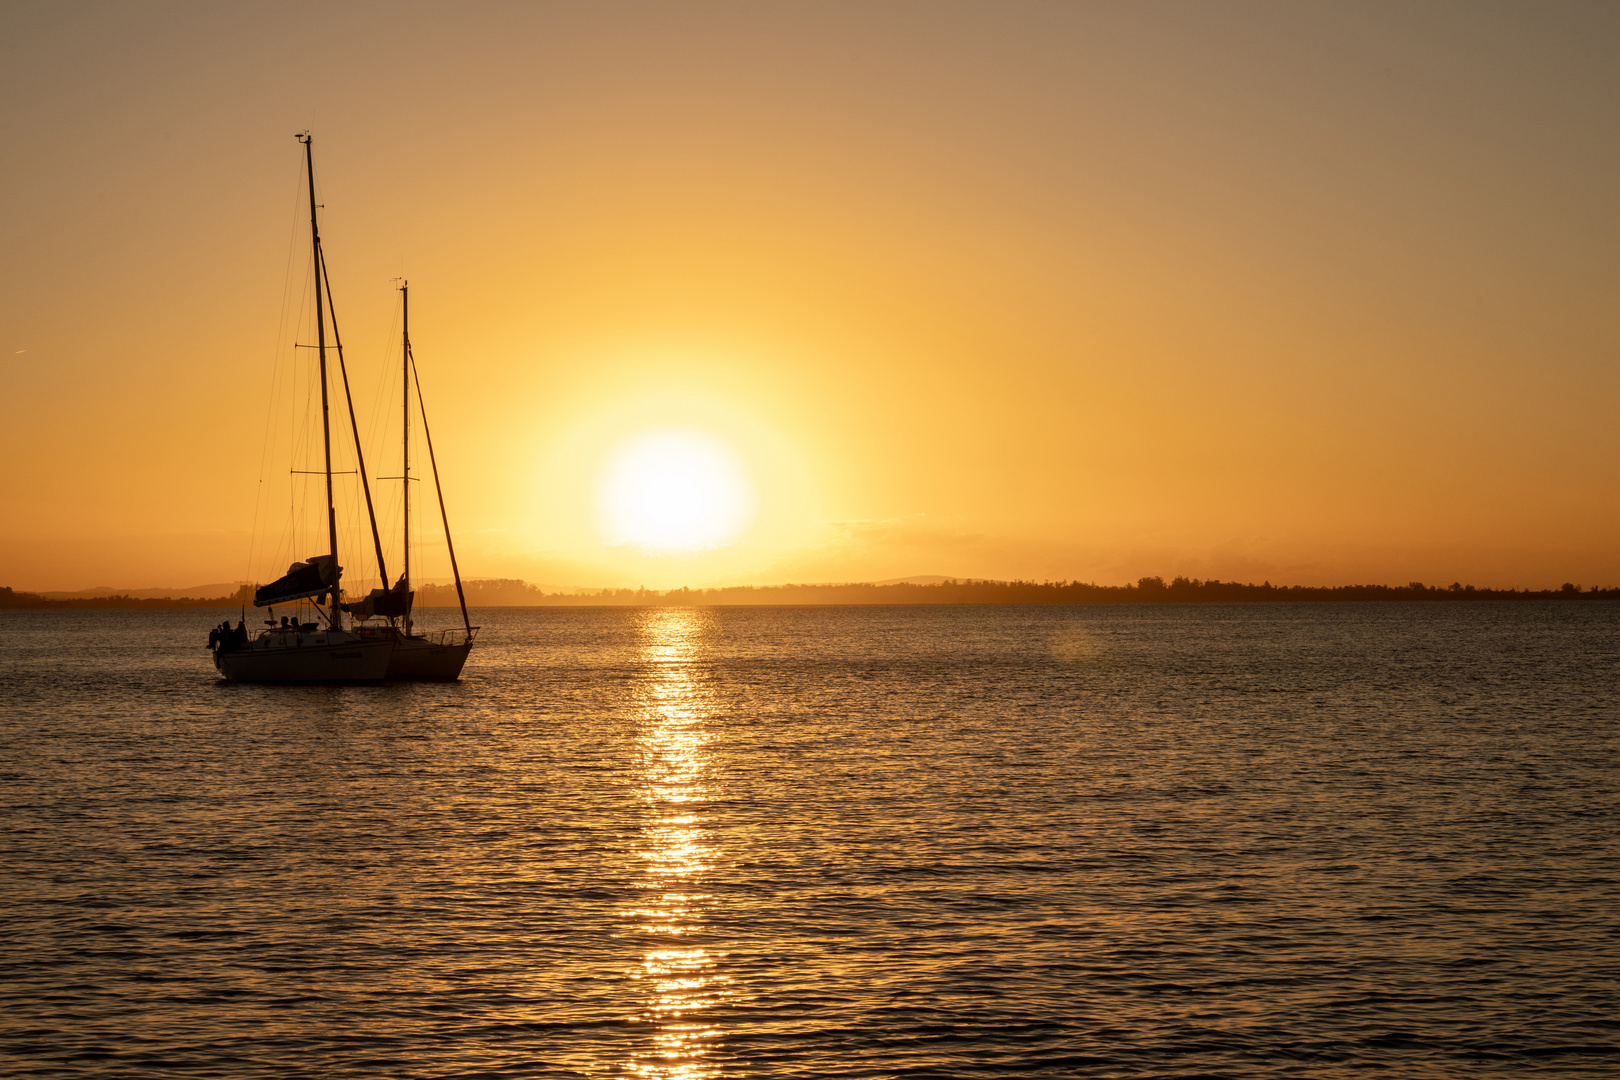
<point>1214,840</point>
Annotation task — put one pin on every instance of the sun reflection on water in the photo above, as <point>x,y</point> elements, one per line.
<point>681,979</point>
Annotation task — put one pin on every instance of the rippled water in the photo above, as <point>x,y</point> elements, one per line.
<point>1319,840</point>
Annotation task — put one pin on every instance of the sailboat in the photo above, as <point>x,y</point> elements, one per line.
<point>415,656</point>
<point>300,651</point>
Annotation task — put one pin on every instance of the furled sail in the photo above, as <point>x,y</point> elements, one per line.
<point>303,579</point>
<point>389,603</point>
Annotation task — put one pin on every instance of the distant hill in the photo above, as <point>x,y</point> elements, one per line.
<point>227,588</point>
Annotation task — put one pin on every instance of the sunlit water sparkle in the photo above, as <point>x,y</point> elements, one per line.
<point>682,981</point>
<point>1308,840</point>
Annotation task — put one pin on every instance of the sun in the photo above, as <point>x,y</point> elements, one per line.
<point>674,490</point>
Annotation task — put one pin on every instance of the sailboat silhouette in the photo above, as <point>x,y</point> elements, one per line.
<point>310,652</point>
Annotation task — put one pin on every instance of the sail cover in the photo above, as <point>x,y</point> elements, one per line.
<point>303,579</point>
<point>393,603</point>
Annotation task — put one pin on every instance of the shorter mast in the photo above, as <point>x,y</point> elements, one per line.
<point>405,427</point>
<point>444,514</point>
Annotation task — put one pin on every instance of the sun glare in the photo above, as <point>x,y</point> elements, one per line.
<point>674,490</point>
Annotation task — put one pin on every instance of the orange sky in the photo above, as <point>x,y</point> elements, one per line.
<point>1308,293</point>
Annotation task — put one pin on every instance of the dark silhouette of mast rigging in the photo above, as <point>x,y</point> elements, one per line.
<point>334,615</point>
<point>444,515</point>
<point>354,426</point>
<point>405,427</point>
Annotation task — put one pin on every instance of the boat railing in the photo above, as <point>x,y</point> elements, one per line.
<point>455,635</point>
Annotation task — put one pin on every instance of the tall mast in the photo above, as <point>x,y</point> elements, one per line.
<point>335,615</point>
<point>405,381</point>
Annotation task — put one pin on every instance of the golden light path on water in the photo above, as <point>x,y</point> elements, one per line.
<point>681,983</point>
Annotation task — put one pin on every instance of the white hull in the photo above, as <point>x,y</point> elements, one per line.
<point>320,656</point>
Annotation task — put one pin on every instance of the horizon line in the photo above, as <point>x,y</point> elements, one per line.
<point>515,592</point>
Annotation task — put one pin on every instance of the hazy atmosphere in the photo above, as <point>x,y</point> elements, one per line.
<point>1300,292</point>
<point>773,540</point>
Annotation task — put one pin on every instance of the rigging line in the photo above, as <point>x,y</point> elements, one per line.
<point>378,395</point>
<point>354,425</point>
<point>378,429</point>
<point>288,547</point>
<point>275,363</point>
<point>427,436</point>
<point>302,443</point>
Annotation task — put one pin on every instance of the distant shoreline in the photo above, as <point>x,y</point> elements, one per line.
<point>10,598</point>
<point>1180,590</point>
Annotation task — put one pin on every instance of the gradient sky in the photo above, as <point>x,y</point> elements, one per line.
<point>1313,293</point>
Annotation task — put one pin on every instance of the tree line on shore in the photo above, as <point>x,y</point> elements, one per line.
<point>1149,590</point>
<point>10,598</point>
<point>506,592</point>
